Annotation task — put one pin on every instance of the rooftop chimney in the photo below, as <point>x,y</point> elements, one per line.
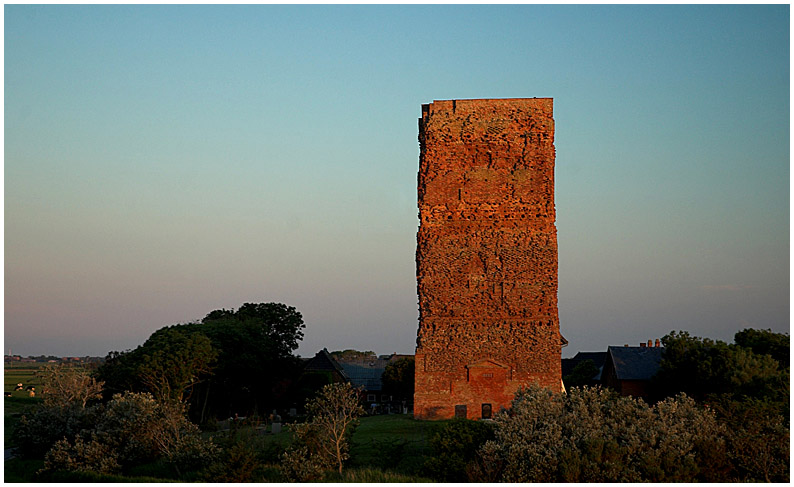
<point>642,344</point>
<point>657,343</point>
<point>650,343</point>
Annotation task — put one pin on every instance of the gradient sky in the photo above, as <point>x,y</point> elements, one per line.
<point>165,161</point>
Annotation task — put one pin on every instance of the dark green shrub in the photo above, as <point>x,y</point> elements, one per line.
<point>159,469</point>
<point>454,446</point>
<point>38,430</point>
<point>17,470</point>
<point>86,477</point>
<point>758,439</point>
<point>236,464</point>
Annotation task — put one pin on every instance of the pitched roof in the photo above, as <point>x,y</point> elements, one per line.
<point>635,363</point>
<point>324,361</point>
<point>363,376</point>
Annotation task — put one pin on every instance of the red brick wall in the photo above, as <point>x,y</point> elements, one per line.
<point>486,254</point>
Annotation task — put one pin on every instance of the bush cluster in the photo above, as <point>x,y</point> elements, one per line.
<point>593,435</point>
<point>131,429</point>
<point>38,430</point>
<point>454,446</point>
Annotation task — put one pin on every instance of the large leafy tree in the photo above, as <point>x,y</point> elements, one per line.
<point>169,364</point>
<point>177,360</point>
<point>702,367</point>
<point>229,362</point>
<point>255,362</point>
<point>581,375</point>
<point>765,342</point>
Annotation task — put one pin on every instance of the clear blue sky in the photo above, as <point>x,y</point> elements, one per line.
<point>165,161</point>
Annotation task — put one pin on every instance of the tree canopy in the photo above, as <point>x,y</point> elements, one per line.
<point>176,361</point>
<point>398,379</point>
<point>702,367</point>
<point>766,342</point>
<point>747,384</point>
<point>229,362</point>
<point>66,385</point>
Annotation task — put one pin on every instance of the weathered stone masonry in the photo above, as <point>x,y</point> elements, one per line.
<point>486,256</point>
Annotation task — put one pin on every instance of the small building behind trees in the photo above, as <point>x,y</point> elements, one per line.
<point>363,370</point>
<point>628,370</point>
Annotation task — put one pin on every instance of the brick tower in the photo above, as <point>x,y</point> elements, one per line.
<point>486,256</point>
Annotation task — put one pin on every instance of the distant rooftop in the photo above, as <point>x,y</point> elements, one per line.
<point>636,363</point>
<point>366,377</point>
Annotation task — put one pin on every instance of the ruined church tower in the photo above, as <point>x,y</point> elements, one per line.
<point>486,256</point>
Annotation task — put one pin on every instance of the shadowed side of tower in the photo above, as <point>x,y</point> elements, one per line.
<point>486,256</point>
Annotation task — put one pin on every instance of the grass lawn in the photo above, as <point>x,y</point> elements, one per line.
<point>392,442</point>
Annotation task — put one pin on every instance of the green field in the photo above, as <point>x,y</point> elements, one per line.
<point>26,373</point>
<point>20,401</point>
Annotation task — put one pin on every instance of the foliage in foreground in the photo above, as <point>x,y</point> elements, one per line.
<point>454,446</point>
<point>323,441</point>
<point>593,435</point>
<point>132,429</point>
<point>38,430</point>
<point>757,436</point>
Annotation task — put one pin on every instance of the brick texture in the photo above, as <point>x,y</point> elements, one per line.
<point>486,256</point>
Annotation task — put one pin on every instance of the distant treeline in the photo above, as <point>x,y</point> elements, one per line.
<point>52,359</point>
